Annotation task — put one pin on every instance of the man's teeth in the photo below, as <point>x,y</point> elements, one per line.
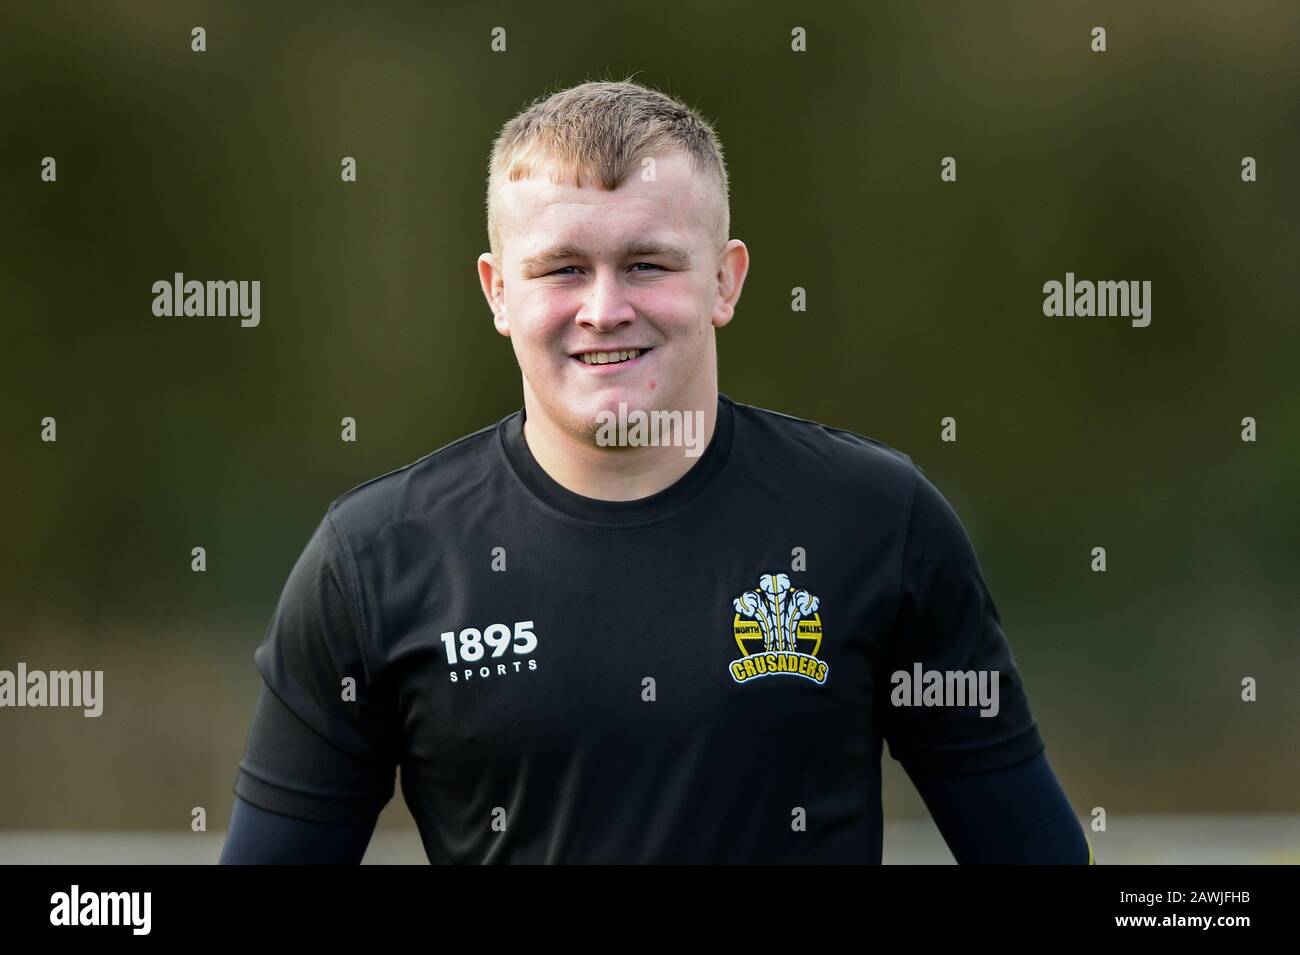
<point>608,357</point>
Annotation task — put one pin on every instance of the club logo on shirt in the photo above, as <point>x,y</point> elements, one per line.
<point>778,631</point>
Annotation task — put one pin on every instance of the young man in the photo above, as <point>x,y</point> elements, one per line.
<point>637,621</point>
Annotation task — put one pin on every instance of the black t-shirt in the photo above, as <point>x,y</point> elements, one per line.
<point>705,674</point>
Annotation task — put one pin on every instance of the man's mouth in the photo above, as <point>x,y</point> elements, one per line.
<point>623,356</point>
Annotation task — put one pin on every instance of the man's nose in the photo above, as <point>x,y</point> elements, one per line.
<point>606,304</point>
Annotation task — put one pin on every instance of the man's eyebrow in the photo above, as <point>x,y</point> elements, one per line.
<point>533,262</point>
<point>659,250</point>
<point>674,253</point>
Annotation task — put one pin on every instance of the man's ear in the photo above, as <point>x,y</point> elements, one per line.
<point>494,290</point>
<point>733,266</point>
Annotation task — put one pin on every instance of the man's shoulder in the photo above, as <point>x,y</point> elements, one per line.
<point>843,465</point>
<point>431,481</point>
<point>813,447</point>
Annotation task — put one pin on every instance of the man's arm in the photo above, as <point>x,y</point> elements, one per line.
<point>298,797</point>
<point>978,761</point>
<point>325,738</point>
<point>281,744</point>
<point>258,837</point>
<point>1014,815</point>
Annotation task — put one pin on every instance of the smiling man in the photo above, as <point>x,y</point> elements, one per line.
<point>610,286</point>
<point>580,649</point>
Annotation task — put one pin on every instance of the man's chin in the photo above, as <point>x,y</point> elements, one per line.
<point>597,416</point>
<point>610,401</point>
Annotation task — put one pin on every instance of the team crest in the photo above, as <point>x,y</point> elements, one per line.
<point>778,631</point>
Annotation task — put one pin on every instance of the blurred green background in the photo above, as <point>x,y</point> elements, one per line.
<point>924,301</point>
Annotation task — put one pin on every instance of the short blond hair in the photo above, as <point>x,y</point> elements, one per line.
<point>598,133</point>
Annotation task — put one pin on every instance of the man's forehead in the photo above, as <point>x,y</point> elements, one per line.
<point>670,186</point>
<point>549,223</point>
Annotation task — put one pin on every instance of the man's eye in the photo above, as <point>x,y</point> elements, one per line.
<point>562,271</point>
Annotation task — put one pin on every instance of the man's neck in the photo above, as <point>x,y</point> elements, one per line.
<point>614,473</point>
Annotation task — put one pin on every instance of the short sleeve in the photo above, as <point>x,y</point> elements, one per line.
<point>951,699</point>
<point>325,740</point>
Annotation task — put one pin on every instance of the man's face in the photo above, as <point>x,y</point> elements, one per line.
<point>639,269</point>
